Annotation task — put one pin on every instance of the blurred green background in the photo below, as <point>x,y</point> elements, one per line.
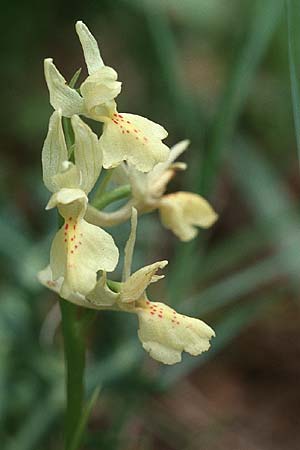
<point>217,73</point>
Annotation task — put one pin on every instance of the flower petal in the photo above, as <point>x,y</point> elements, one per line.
<point>69,176</point>
<point>69,201</point>
<point>102,296</point>
<point>88,154</point>
<point>165,334</point>
<point>54,151</point>
<point>61,95</point>
<point>137,283</point>
<point>181,211</point>
<point>98,90</point>
<point>161,168</point>
<point>90,48</point>
<point>97,251</point>
<point>78,251</point>
<point>45,277</point>
<point>132,138</point>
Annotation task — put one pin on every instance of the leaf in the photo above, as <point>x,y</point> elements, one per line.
<point>293,21</point>
<point>263,24</point>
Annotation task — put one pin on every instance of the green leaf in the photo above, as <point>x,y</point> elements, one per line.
<point>263,24</point>
<point>84,419</point>
<point>293,21</point>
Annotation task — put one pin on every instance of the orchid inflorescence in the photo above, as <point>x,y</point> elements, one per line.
<point>130,148</point>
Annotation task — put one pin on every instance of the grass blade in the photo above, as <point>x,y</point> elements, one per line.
<point>264,22</point>
<point>293,22</point>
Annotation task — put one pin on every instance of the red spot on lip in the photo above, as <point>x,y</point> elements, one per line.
<point>160,316</point>
<point>120,116</point>
<point>115,121</point>
<point>136,131</point>
<point>147,302</point>
<point>74,226</point>
<point>152,313</point>
<point>116,115</point>
<point>66,226</point>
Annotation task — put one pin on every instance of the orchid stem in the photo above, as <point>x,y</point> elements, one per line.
<point>74,341</point>
<point>103,185</point>
<point>112,196</point>
<point>74,348</point>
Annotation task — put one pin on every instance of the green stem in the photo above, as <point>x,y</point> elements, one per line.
<point>103,185</point>
<point>114,285</point>
<point>66,121</point>
<point>74,347</point>
<point>74,340</point>
<point>69,134</point>
<point>109,197</point>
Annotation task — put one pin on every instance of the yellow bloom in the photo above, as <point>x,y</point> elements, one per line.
<point>126,137</point>
<point>132,138</point>
<point>181,212</point>
<point>79,249</point>
<point>163,332</point>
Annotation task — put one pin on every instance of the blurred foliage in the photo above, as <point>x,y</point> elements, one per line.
<point>215,72</point>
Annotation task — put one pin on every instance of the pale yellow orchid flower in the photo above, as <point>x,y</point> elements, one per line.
<point>79,248</point>
<point>181,212</point>
<point>125,137</point>
<point>163,332</point>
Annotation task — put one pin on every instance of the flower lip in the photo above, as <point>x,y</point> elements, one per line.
<point>165,334</point>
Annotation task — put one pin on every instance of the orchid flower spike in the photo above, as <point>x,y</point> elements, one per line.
<point>126,137</point>
<point>79,249</point>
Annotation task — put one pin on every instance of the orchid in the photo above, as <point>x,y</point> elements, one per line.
<point>181,212</point>
<point>79,248</point>
<point>163,332</point>
<point>82,253</point>
<point>125,137</point>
